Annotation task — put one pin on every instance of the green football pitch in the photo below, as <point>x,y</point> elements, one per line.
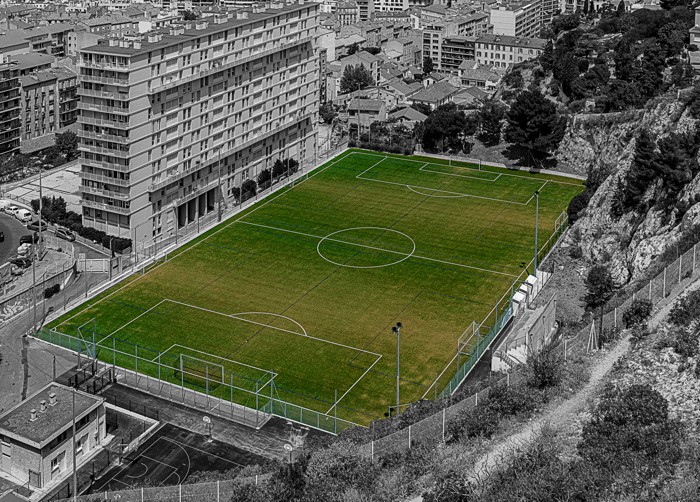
<point>308,282</point>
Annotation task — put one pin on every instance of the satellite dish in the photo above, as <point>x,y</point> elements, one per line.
<point>206,420</point>
<point>288,447</point>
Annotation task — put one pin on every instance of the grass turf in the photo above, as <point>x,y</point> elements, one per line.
<point>309,282</point>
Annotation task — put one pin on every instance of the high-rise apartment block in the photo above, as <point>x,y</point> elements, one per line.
<point>517,19</point>
<point>172,124</point>
<point>10,94</point>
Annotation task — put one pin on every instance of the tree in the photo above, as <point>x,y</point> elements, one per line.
<point>372,50</point>
<point>264,178</point>
<point>278,168</point>
<point>67,143</point>
<point>641,172</point>
<point>353,49</point>
<point>423,108</point>
<point>533,122</point>
<point>444,129</point>
<point>547,57</point>
<point>491,117</point>
<point>355,78</point>
<point>190,15</point>
<point>599,289</point>
<point>327,113</point>
<point>248,189</point>
<point>428,65</point>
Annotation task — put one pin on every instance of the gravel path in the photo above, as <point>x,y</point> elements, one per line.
<point>564,414</point>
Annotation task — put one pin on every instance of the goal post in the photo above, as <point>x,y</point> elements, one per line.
<point>199,372</point>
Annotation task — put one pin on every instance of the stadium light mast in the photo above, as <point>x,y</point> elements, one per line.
<point>537,217</point>
<point>397,331</point>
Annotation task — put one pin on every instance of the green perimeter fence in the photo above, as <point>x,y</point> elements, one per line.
<point>244,399</point>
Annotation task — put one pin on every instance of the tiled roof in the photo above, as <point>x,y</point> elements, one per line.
<point>365,105</point>
<point>435,93</point>
<point>408,113</point>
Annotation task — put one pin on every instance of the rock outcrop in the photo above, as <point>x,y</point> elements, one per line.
<point>603,146</point>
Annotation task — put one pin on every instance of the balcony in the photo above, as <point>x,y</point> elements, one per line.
<point>103,164</point>
<point>104,65</point>
<point>123,96</point>
<point>105,207</point>
<point>105,80</point>
<point>105,179</point>
<point>102,108</point>
<point>105,193</point>
<point>104,151</point>
<point>122,140</point>
<point>103,122</point>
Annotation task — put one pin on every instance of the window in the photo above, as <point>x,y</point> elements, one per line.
<point>56,464</point>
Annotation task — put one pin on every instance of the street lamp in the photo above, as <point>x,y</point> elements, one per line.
<point>397,331</point>
<point>537,217</point>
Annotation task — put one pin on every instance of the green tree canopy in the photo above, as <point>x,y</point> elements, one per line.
<point>67,144</point>
<point>355,78</point>
<point>533,122</point>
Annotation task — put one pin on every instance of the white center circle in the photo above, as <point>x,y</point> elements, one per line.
<point>331,237</point>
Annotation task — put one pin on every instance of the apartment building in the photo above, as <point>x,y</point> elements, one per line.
<point>455,50</point>
<point>522,19</point>
<point>436,32</point>
<point>171,124</point>
<point>391,5</point>
<point>49,101</point>
<point>502,51</point>
<point>9,105</point>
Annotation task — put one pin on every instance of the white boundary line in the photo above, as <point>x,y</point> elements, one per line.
<point>460,175</point>
<point>184,445</point>
<point>533,195</point>
<point>126,324</point>
<point>353,385</point>
<point>378,249</point>
<point>467,162</point>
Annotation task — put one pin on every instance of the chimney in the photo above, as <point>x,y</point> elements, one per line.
<point>241,14</point>
<point>52,399</point>
<point>32,415</point>
<point>201,25</point>
<point>42,406</point>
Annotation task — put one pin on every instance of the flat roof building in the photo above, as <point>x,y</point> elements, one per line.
<point>36,435</point>
<point>171,124</point>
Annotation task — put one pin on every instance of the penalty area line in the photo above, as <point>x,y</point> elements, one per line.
<point>335,405</point>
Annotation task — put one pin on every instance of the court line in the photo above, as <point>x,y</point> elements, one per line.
<point>185,445</point>
<point>443,191</point>
<point>460,175</point>
<point>125,325</point>
<point>377,248</point>
<point>164,352</point>
<point>539,189</point>
<point>335,405</point>
<point>253,207</point>
<point>287,331</point>
<point>456,160</point>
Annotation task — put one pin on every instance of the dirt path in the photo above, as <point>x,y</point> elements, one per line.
<point>565,413</point>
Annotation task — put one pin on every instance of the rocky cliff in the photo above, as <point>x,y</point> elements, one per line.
<point>603,147</point>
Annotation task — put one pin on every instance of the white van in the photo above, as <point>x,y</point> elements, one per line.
<point>24,215</point>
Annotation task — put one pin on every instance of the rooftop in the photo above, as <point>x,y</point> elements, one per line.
<point>167,40</point>
<point>15,422</point>
<point>365,105</point>
<point>408,113</point>
<point>33,60</point>
<point>435,93</point>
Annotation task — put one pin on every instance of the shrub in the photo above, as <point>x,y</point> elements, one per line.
<point>685,342</point>
<point>481,421</point>
<point>577,205</point>
<point>52,290</point>
<point>544,368</point>
<point>513,400</point>
<point>638,313</point>
<point>686,310</point>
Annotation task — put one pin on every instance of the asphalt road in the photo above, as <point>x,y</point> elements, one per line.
<point>13,230</point>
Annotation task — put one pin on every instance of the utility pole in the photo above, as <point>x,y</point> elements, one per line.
<point>75,468</point>
<point>397,331</point>
<point>537,217</point>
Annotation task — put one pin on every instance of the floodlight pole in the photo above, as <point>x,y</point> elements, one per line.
<point>397,330</point>
<point>75,469</point>
<point>537,217</point>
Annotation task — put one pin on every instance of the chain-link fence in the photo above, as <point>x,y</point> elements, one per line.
<point>435,428</point>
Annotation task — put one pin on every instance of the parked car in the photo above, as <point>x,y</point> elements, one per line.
<point>4,204</point>
<point>11,209</point>
<point>66,234</point>
<point>24,249</point>
<point>34,225</point>
<point>24,215</point>
<point>21,262</point>
<point>29,238</point>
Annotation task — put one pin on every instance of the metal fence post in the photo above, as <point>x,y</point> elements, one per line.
<point>615,319</point>
<point>649,290</point>
<point>444,410</point>
<point>565,348</point>
<point>180,492</point>
<point>372,451</point>
<point>680,269</point>
<point>218,492</point>
<point>663,290</point>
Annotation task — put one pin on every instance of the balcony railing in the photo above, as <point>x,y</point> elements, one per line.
<point>103,164</point>
<point>105,207</point>
<point>104,151</point>
<point>105,193</point>
<point>103,122</point>
<point>124,96</point>
<point>105,179</point>
<point>102,108</point>
<point>104,80</point>
<point>122,140</point>
<point>106,65</point>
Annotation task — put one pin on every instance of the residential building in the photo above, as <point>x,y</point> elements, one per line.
<point>36,435</point>
<point>407,116</point>
<point>31,62</point>
<point>49,101</point>
<point>171,124</point>
<point>695,40</point>
<point>366,9</point>
<point>114,24</point>
<point>455,50</point>
<point>549,9</point>
<point>523,19</point>
<point>474,74</point>
<point>10,96</point>
<point>363,58</point>
<point>391,5</point>
<point>348,13</point>
<point>435,33</point>
<point>364,111</point>
<point>50,39</point>
<point>502,51</point>
<point>435,95</point>
<point>343,44</point>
